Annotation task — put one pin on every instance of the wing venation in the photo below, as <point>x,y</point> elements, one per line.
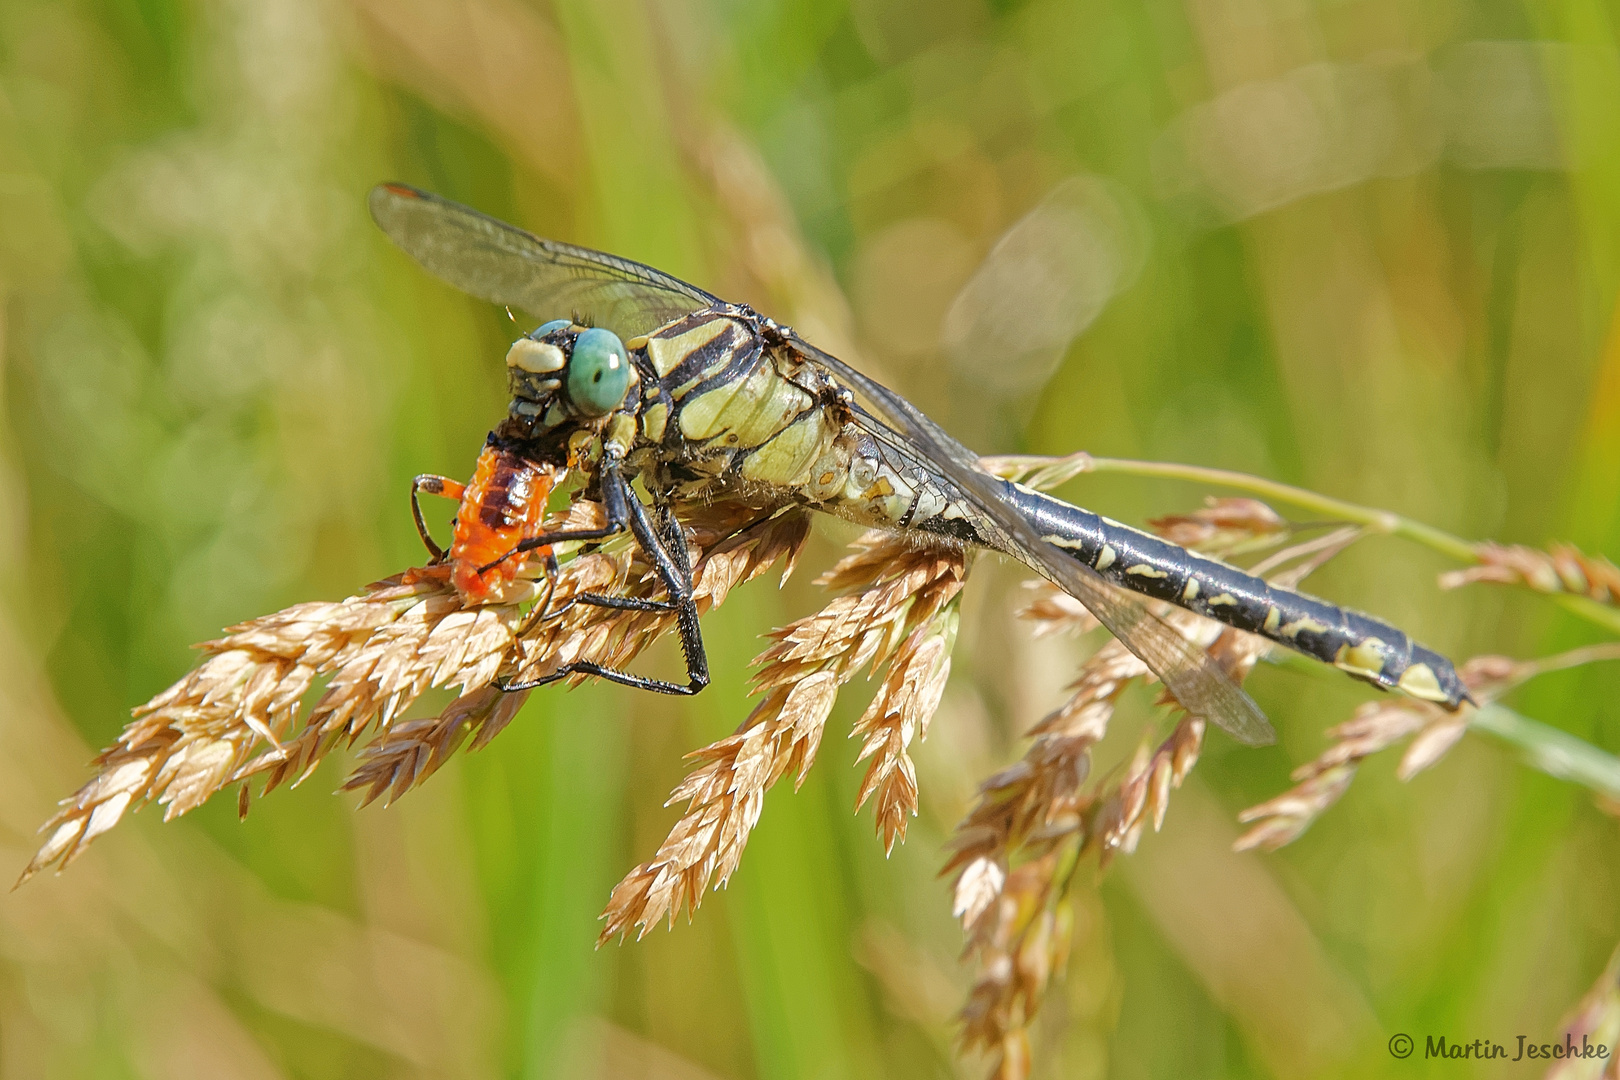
<point>503,264</point>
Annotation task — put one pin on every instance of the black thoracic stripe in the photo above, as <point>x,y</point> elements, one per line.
<point>732,340</point>
<point>1146,564</point>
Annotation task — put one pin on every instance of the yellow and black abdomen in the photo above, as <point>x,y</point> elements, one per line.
<point>1365,647</point>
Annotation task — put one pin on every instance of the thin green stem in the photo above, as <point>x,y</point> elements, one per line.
<point>1048,472</point>
<point>1550,750</point>
<point>1608,650</point>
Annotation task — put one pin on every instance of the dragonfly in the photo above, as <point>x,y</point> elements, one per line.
<point>704,400</point>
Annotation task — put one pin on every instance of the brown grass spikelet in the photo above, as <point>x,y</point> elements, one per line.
<point>1223,526</point>
<point>1594,1021</point>
<point>897,615</point>
<point>1378,725</point>
<point>381,649</point>
<point>1562,568</point>
<point>408,753</point>
<point>729,546</point>
<point>1321,782</point>
<point>1020,944</point>
<point>899,713</point>
<point>1028,802</point>
<point>1053,611</point>
<point>436,642</point>
<point>1015,851</point>
<point>1037,802</point>
<point>1143,795</point>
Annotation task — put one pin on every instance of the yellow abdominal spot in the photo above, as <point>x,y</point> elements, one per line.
<point>1366,659</point>
<point>1273,619</point>
<point>1295,628</point>
<point>1224,598</point>
<point>1190,591</point>
<point>879,490</point>
<point>1419,680</point>
<point>1142,569</point>
<point>1106,559</point>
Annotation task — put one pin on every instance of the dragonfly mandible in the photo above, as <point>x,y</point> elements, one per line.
<point>704,400</point>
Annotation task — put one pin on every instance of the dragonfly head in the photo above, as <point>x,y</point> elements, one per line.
<point>562,371</point>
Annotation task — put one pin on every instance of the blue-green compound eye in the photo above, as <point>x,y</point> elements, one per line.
<point>555,324</point>
<point>598,373</point>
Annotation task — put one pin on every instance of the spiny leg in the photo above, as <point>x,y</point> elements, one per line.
<point>666,547</point>
<point>433,485</point>
<point>636,603</point>
<point>674,537</point>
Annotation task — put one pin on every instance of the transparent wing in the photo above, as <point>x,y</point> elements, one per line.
<point>497,262</point>
<point>1190,673</point>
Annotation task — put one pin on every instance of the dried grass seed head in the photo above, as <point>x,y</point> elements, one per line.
<point>1562,568</point>
<point>897,613</point>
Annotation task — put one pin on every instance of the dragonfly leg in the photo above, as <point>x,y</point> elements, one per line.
<point>697,660</point>
<point>665,545</point>
<point>623,603</point>
<point>433,485</point>
<point>585,667</point>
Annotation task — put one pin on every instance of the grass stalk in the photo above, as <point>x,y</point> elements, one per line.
<point>1551,750</point>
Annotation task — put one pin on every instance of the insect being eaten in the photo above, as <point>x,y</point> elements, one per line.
<point>499,508</point>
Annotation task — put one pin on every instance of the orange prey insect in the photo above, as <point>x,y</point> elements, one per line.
<point>500,507</point>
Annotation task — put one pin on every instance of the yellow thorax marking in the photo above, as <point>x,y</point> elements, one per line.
<point>666,353</point>
<point>621,432</point>
<point>653,421</point>
<point>744,412</point>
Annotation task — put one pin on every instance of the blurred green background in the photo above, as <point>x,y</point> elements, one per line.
<point>1367,246</point>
